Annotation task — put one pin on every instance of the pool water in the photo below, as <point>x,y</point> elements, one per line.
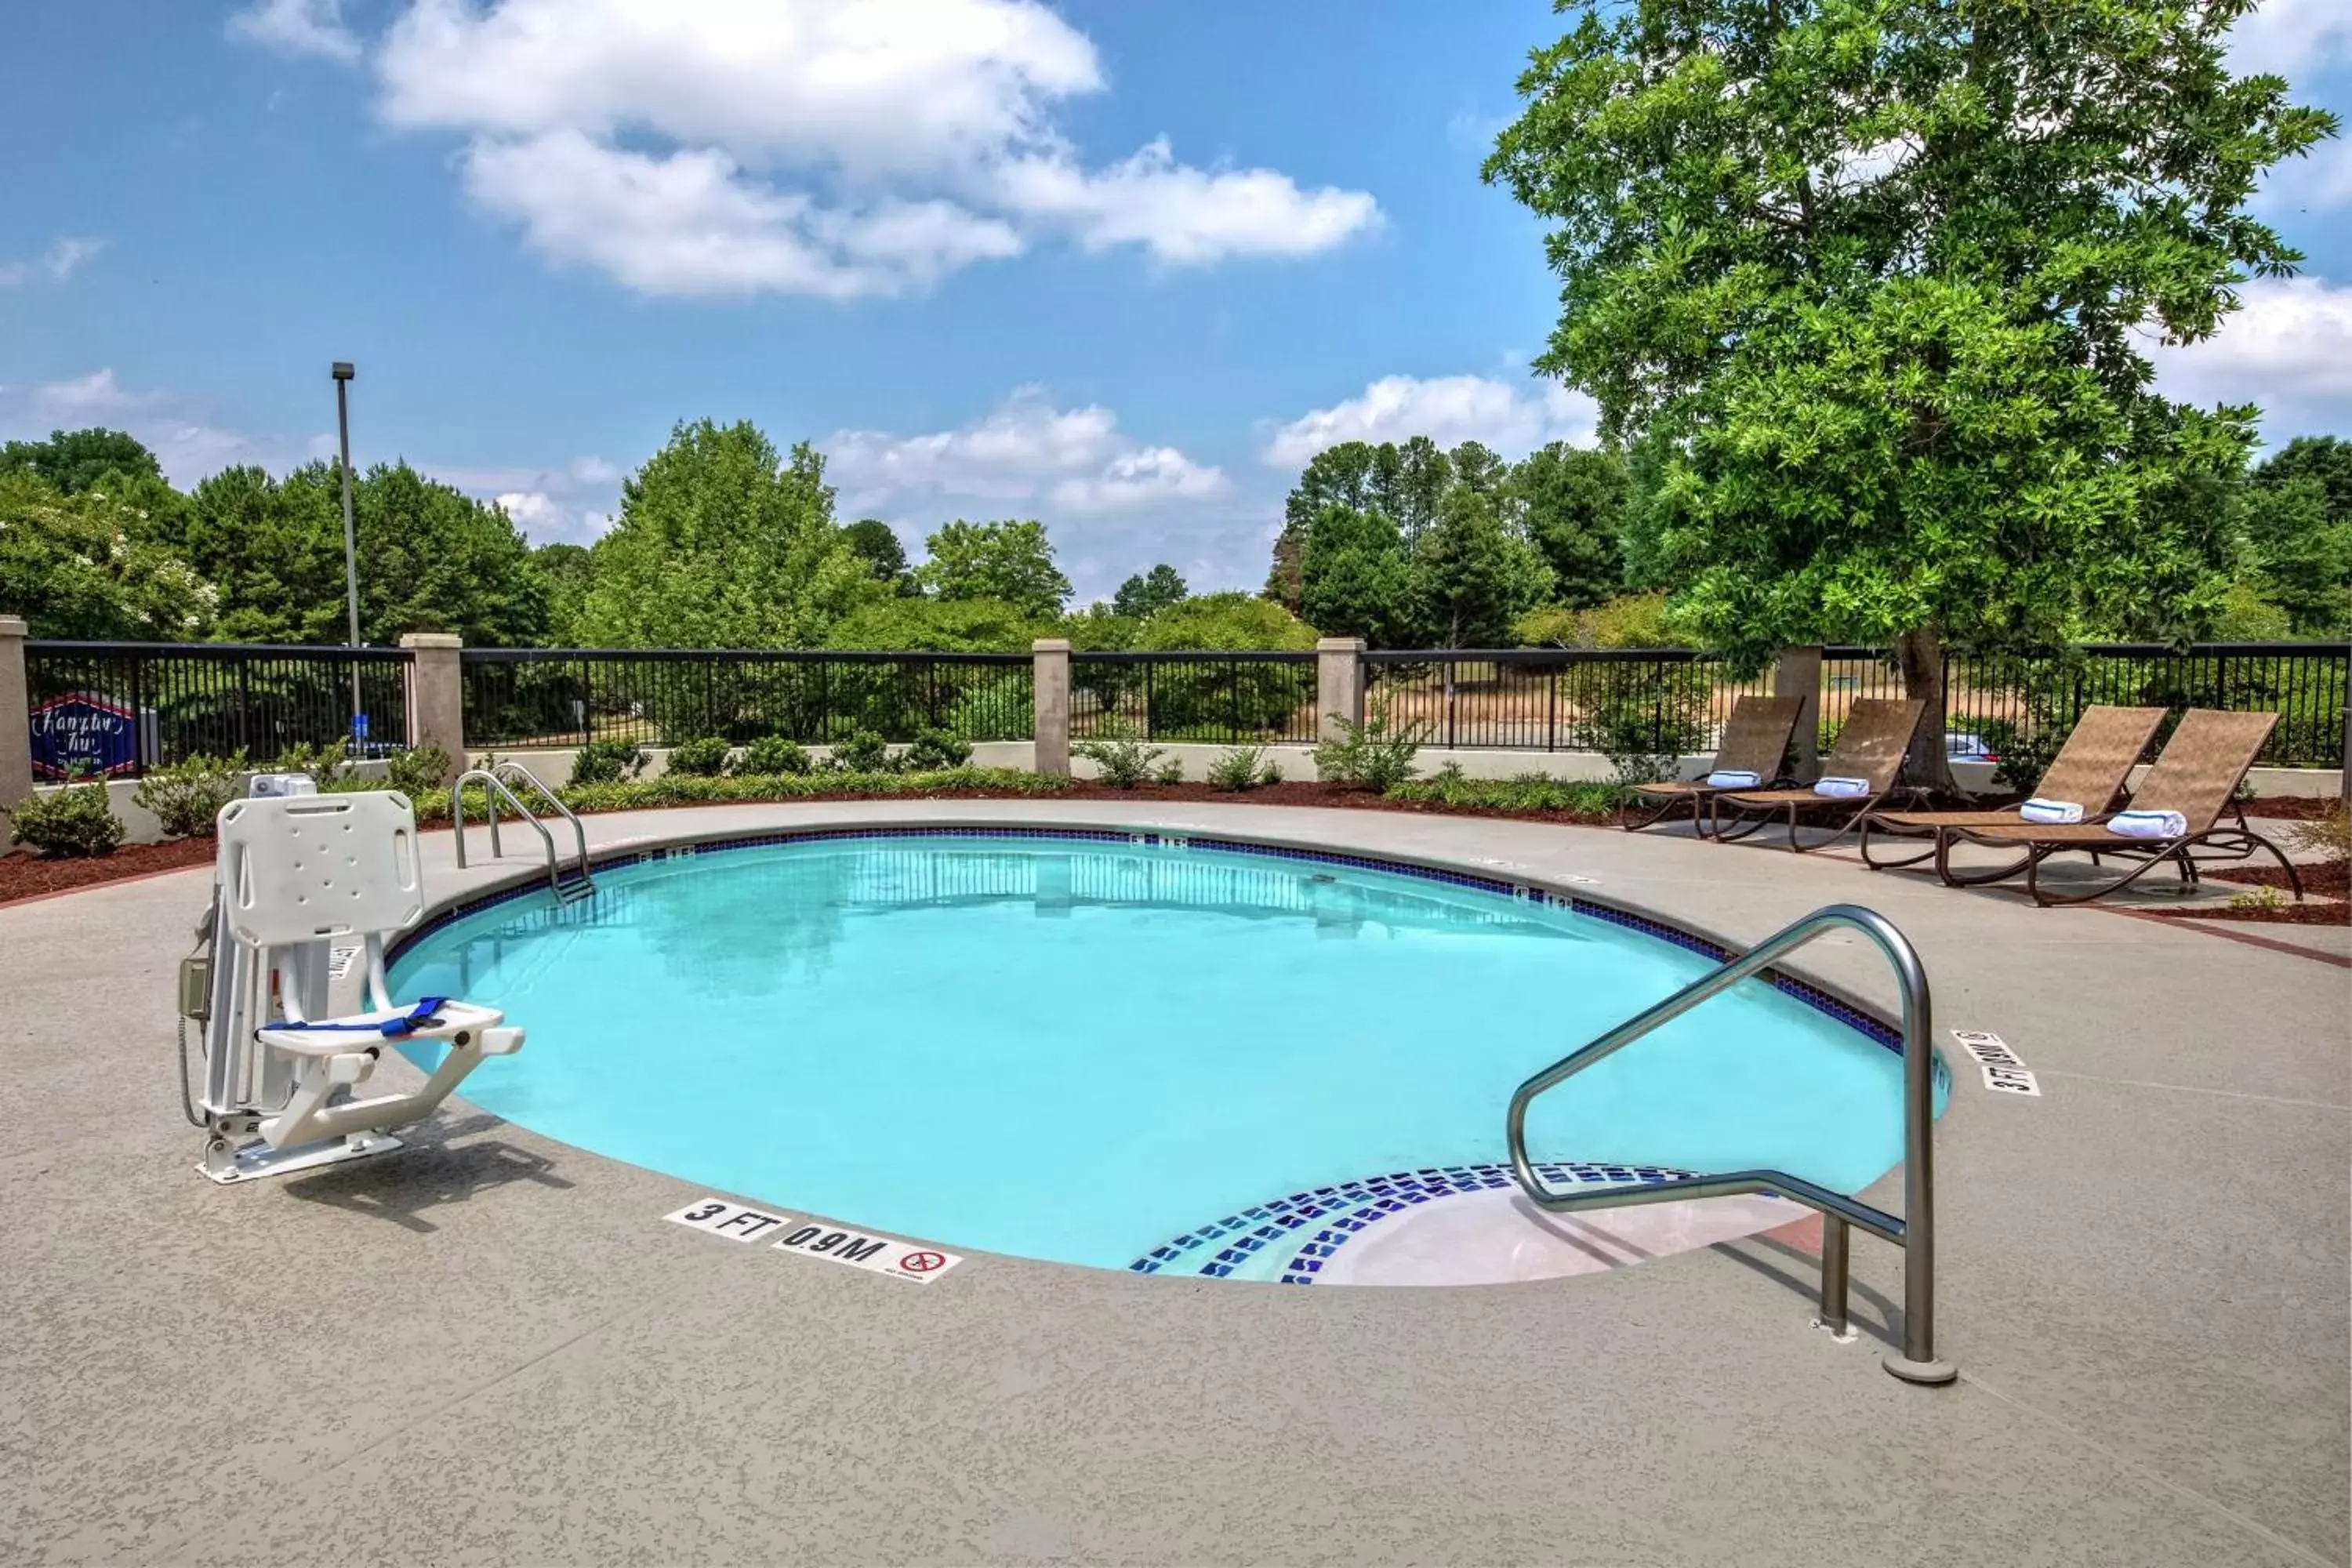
<point>1075,1049</point>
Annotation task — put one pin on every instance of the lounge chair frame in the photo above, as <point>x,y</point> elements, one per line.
<point>1757,732</point>
<point>1873,725</point>
<point>2092,768</point>
<point>2198,774</point>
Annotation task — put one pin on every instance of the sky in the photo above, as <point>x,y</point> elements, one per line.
<point>1122,268</point>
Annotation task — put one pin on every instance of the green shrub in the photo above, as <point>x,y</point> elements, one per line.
<point>704,757</point>
<point>1375,754</point>
<point>1170,772</point>
<point>187,796</point>
<point>2327,837</point>
<point>1645,718</point>
<point>862,752</point>
<point>77,820</point>
<point>1244,767</point>
<point>1119,755</point>
<point>935,750</point>
<point>607,762</point>
<point>416,770</point>
<point>328,762</point>
<point>768,756</point>
<point>1587,800</point>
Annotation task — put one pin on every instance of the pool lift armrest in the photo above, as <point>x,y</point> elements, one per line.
<point>295,877</point>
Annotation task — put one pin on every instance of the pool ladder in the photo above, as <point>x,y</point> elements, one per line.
<point>1913,1231</point>
<point>570,884</point>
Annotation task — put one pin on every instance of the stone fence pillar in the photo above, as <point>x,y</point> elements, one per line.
<point>1051,703</point>
<point>436,695</point>
<point>1338,684</point>
<point>1799,674</point>
<point>15,717</point>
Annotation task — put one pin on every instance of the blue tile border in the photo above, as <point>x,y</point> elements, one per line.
<point>1341,1212</point>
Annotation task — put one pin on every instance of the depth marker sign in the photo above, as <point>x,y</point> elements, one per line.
<point>834,1243</point>
<point>876,1254</point>
<point>732,1221</point>
<point>2004,1071</point>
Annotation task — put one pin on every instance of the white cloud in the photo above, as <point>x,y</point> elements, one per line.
<point>58,262</point>
<point>1076,459</point>
<point>834,148</point>
<point>684,223</point>
<point>312,27</point>
<point>1184,216</point>
<point>1112,505</point>
<point>2322,178</point>
<point>2288,348</point>
<point>2292,38</point>
<point>187,443</point>
<point>544,520</point>
<point>1137,478</point>
<point>1512,418</point>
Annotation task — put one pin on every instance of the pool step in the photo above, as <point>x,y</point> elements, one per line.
<point>1291,1239</point>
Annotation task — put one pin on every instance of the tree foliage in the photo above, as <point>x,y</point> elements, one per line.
<point>88,566</point>
<point>1869,271</point>
<point>722,542</point>
<point>2298,526</point>
<point>72,461</point>
<point>1009,561</point>
<point>877,544</point>
<point>431,558</point>
<point>1146,593</point>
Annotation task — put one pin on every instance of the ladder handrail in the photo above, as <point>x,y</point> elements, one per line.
<point>494,789</point>
<point>507,768</point>
<point>1914,1230</point>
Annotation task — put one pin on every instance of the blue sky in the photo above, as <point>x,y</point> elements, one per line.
<point>1121,267</point>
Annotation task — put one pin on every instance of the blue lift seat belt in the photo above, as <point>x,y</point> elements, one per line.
<point>420,1016</point>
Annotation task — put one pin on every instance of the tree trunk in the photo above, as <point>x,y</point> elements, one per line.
<point>1920,654</point>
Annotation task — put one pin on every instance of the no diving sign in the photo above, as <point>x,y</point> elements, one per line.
<point>835,1244</point>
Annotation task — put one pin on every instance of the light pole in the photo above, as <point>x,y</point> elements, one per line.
<point>343,373</point>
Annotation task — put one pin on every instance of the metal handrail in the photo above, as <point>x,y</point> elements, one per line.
<point>494,789</point>
<point>1913,1231</point>
<point>506,768</point>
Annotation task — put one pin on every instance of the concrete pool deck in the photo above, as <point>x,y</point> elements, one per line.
<point>490,1347</point>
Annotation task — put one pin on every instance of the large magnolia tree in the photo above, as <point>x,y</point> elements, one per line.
<point>1876,278</point>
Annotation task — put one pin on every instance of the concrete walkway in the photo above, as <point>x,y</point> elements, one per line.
<point>492,1349</point>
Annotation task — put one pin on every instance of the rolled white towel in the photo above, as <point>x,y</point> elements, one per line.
<point>1843,789</point>
<point>2041,810</point>
<point>2148,824</point>
<point>1733,778</point>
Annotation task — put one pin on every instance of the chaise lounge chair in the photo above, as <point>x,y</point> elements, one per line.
<point>1869,747</point>
<point>2195,775</point>
<point>1755,741</point>
<point>2089,770</point>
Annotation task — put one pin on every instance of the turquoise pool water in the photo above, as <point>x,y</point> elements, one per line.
<point>1074,1050</point>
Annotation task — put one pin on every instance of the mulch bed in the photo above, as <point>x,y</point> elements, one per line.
<point>2291,808</point>
<point>24,875</point>
<point>2327,887</point>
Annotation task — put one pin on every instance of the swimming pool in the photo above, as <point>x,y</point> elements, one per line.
<point>1076,1048</point>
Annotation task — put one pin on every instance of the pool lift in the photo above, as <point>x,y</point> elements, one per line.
<point>304,885</point>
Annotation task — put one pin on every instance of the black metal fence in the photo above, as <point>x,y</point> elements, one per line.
<point>1228,697</point>
<point>2000,698</point>
<point>555,697</point>
<point>1656,701</point>
<point>121,708</point>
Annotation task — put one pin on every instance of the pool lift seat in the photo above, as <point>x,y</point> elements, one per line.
<point>297,878</point>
